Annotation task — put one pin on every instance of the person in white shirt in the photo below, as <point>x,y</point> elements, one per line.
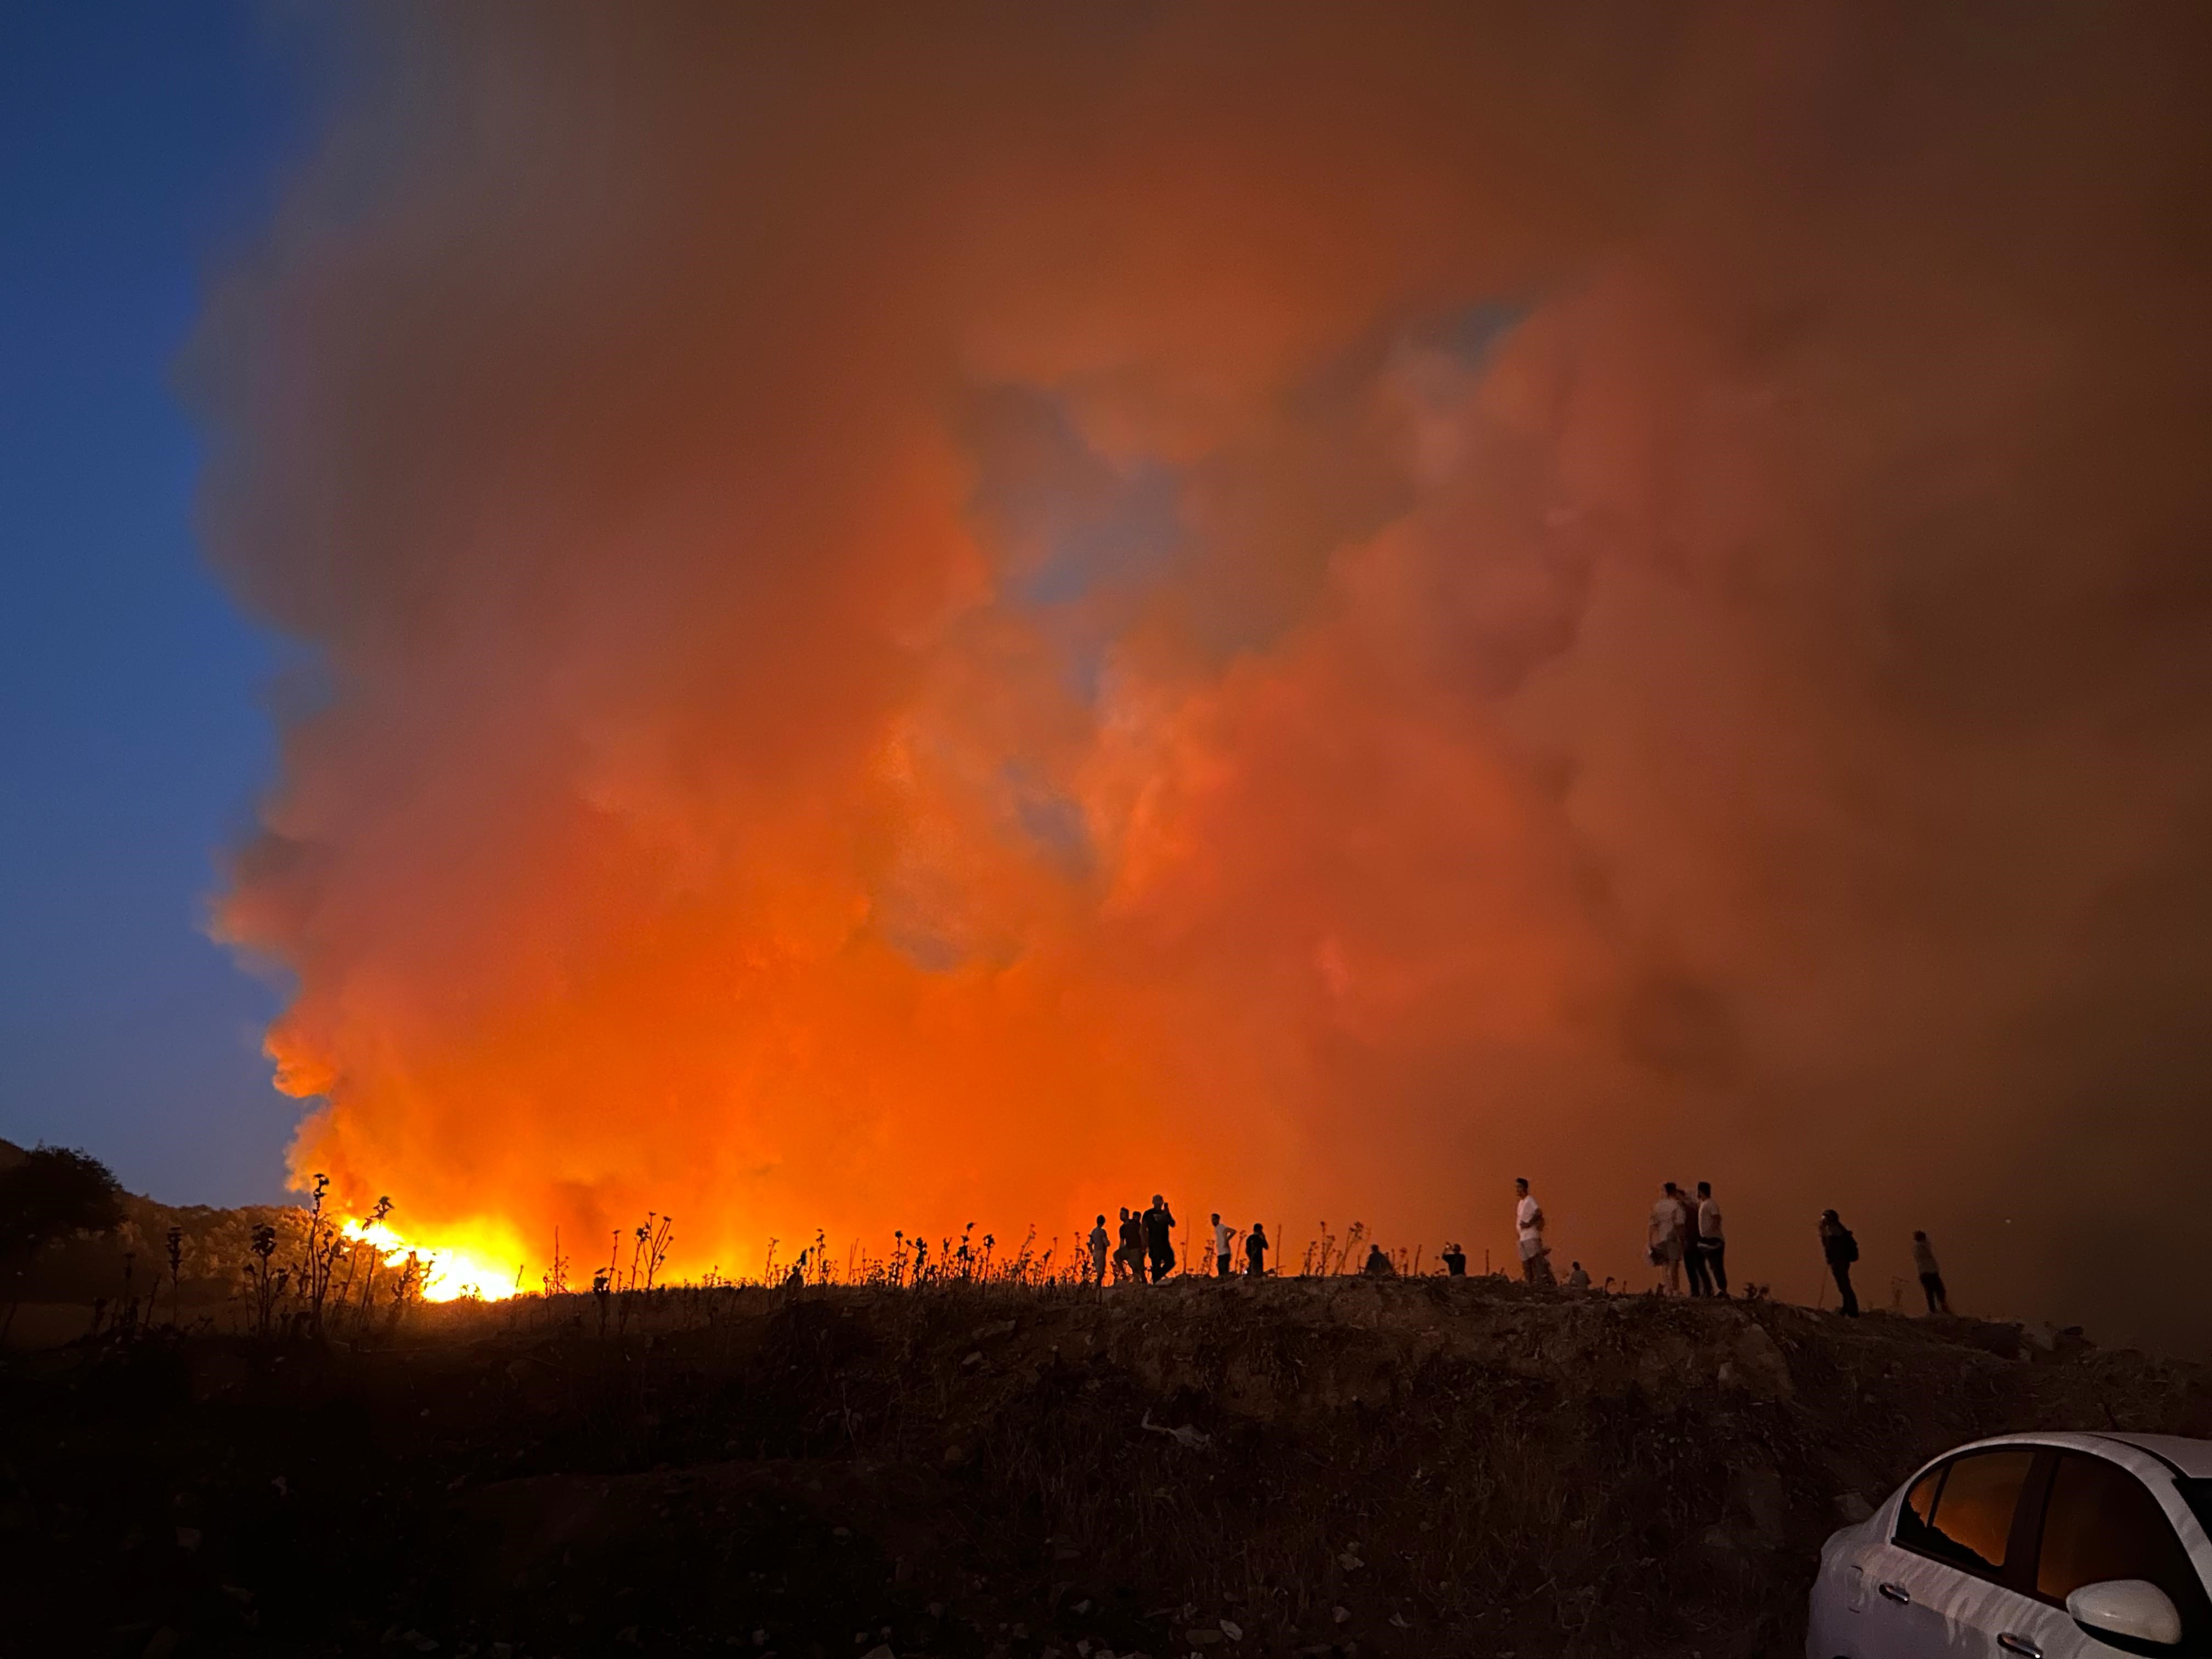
<point>1711,1240</point>
<point>1931,1275</point>
<point>1663,1238</point>
<point>1098,1242</point>
<point>1528,1228</point>
<point>1225,1236</point>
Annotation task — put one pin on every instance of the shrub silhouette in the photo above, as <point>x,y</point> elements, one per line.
<point>53,1193</point>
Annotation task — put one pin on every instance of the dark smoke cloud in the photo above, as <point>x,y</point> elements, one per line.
<point>973,614</point>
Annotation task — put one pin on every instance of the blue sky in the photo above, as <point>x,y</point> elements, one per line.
<point>139,145</point>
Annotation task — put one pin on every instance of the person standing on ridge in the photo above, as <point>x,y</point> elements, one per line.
<point>1578,1279</point>
<point>1130,1258</point>
<point>1528,1228</point>
<point>1379,1266</point>
<point>1224,1240</point>
<point>1098,1242</point>
<point>1841,1249</point>
<point>1663,1239</point>
<point>1159,1237</point>
<point>1255,1252</point>
<point>1693,1248</point>
<point>1711,1240</point>
<point>1454,1262</point>
<point>1931,1276</point>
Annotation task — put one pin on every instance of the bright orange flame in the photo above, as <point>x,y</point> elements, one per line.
<point>450,1272</point>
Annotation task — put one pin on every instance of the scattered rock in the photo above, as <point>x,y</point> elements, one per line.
<point>1853,1508</point>
<point>1195,1439</point>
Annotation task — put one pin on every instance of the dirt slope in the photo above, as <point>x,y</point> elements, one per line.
<point>1420,1466</point>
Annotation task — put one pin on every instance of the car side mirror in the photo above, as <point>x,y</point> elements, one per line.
<point>2131,1614</point>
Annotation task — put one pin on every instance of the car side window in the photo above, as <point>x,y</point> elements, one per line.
<point>2101,1522</point>
<point>1961,1512</point>
<point>1918,1512</point>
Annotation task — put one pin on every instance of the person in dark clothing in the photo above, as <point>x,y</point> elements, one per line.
<point>1694,1251</point>
<point>1255,1252</point>
<point>1931,1275</point>
<point>1159,1237</point>
<point>1379,1266</point>
<point>1712,1237</point>
<point>1129,1259</point>
<point>1841,1249</point>
<point>1454,1262</point>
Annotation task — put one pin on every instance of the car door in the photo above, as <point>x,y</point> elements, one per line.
<point>1949,1552</point>
<point>2096,1521</point>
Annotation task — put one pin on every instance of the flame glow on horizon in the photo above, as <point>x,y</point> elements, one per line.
<point>448,1273</point>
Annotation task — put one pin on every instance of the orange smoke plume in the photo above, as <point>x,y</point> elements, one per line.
<point>975,616</point>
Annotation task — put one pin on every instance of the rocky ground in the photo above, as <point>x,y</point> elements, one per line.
<point>1300,1467</point>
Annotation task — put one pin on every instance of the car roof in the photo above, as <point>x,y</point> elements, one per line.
<point>2192,1458</point>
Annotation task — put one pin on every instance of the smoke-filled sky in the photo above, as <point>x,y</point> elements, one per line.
<point>931,615</point>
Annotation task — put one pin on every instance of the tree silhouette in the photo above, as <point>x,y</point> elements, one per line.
<point>54,1192</point>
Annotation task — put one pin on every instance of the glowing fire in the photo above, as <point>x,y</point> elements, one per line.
<point>448,1271</point>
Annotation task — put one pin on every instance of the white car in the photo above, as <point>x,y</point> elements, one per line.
<point>2042,1546</point>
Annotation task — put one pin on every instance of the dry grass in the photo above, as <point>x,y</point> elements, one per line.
<point>1460,1467</point>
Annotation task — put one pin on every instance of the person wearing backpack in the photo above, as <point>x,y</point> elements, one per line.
<point>1841,1250</point>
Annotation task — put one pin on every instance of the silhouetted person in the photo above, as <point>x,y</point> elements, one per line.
<point>1159,1237</point>
<point>1931,1276</point>
<point>1454,1262</point>
<point>1130,1260</point>
<point>1529,1229</point>
<point>1255,1251</point>
<point>1711,1239</point>
<point>1577,1279</point>
<point>1693,1249</point>
<point>1841,1249</point>
<point>1379,1266</point>
<point>1098,1242</point>
<point>1663,1238</point>
<point>1224,1241</point>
